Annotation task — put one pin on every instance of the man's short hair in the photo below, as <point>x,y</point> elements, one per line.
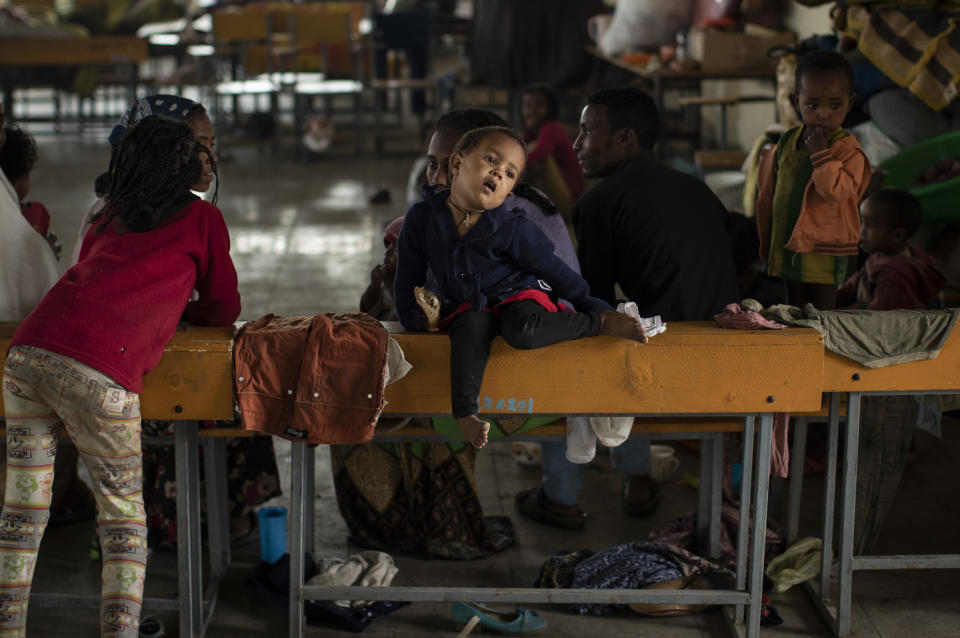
<point>630,107</point>
<point>462,121</point>
<point>901,208</point>
<point>823,62</point>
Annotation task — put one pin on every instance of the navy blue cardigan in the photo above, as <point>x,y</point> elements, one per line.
<point>503,254</point>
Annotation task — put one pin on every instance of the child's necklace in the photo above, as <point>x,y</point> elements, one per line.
<point>466,213</point>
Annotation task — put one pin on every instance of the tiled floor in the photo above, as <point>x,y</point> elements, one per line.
<point>304,239</point>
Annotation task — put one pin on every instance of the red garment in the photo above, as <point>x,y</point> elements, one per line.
<point>539,296</point>
<point>117,308</point>
<point>733,316</point>
<point>907,281</point>
<point>552,140</point>
<point>38,216</point>
<point>316,379</point>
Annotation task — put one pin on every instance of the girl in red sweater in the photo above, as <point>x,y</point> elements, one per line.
<point>77,361</point>
<point>552,164</point>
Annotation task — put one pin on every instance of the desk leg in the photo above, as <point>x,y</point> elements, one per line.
<point>848,506</point>
<point>298,459</point>
<point>189,559</point>
<point>704,514</point>
<point>743,528</point>
<point>795,488</point>
<point>218,504</point>
<point>829,494</point>
<point>759,524</point>
<point>309,499</point>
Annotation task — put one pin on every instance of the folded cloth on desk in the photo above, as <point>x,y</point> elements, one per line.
<point>733,316</point>
<point>651,325</point>
<point>873,338</point>
<point>315,379</point>
<point>364,569</point>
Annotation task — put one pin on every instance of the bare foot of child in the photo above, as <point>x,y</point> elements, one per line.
<point>473,430</point>
<point>430,306</point>
<point>616,324</point>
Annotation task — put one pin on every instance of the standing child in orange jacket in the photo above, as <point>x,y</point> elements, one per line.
<point>810,187</point>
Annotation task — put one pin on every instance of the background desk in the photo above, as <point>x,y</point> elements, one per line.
<point>18,56</point>
<point>663,80</point>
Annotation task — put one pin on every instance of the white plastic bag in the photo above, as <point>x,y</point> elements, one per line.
<point>641,24</point>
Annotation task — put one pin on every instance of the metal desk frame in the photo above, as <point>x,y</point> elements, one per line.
<point>750,546</point>
<point>836,611</point>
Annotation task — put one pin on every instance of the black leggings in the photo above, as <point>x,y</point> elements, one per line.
<point>525,325</point>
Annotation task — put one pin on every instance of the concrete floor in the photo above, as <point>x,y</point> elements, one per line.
<point>304,239</point>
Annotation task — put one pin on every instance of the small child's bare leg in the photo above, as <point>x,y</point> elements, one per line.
<point>430,305</point>
<point>616,324</point>
<point>473,430</point>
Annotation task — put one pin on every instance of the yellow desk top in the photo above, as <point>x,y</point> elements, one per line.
<point>943,373</point>
<point>693,368</point>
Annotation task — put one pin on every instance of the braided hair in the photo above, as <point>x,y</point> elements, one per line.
<point>152,169</point>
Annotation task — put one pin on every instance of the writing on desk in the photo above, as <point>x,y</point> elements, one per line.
<point>512,404</point>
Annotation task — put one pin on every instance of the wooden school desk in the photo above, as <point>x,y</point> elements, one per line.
<point>192,382</point>
<point>844,377</point>
<point>125,51</point>
<point>694,369</point>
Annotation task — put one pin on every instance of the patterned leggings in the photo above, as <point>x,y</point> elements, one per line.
<point>43,392</point>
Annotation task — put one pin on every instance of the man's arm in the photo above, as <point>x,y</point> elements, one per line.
<point>596,249</point>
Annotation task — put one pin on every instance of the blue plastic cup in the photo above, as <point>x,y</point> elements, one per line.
<point>273,533</point>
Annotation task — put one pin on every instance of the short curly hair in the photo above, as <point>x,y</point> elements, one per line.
<point>19,153</point>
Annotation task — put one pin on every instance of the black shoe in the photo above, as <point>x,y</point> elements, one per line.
<point>641,494</point>
<point>533,503</point>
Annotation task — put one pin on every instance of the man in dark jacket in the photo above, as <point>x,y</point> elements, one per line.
<point>658,234</point>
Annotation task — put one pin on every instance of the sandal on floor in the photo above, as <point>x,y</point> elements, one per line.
<point>533,503</point>
<point>151,627</point>
<point>250,532</point>
<point>517,622</point>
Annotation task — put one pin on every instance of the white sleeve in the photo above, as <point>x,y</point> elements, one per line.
<point>28,267</point>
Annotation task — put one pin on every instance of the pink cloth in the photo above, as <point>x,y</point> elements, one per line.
<point>780,452</point>
<point>735,317</point>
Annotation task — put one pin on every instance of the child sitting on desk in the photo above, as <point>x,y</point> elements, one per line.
<point>896,275</point>
<point>493,266</point>
<point>810,185</point>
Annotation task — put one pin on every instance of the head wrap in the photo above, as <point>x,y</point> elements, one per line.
<point>172,107</point>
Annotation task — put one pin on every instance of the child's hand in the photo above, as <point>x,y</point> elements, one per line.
<point>429,308</point>
<point>814,139</point>
<point>54,242</point>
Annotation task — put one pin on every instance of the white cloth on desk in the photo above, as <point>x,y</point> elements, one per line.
<point>364,569</point>
<point>397,365</point>
<point>28,267</point>
<point>584,432</point>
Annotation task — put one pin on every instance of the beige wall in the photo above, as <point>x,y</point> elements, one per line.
<point>746,122</point>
